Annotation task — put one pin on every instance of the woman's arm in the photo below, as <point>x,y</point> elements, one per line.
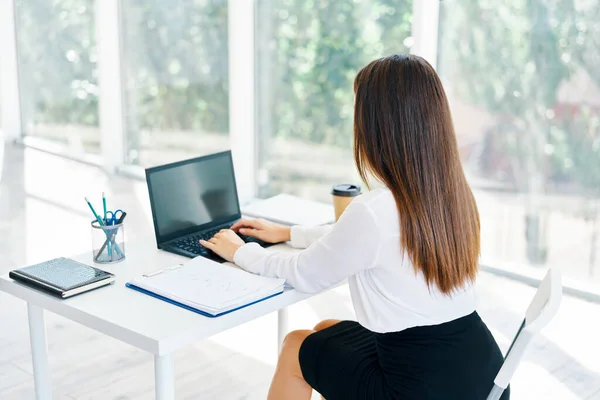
<point>351,246</point>
<point>303,236</point>
<point>299,236</point>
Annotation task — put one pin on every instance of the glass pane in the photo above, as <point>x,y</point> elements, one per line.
<point>175,58</point>
<point>524,86</point>
<point>308,54</point>
<point>57,59</point>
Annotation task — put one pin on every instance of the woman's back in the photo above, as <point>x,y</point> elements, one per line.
<point>392,295</point>
<point>412,341</point>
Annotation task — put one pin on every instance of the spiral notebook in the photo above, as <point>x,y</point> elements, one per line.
<point>207,287</point>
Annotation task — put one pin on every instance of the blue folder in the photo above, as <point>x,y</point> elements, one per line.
<point>139,289</point>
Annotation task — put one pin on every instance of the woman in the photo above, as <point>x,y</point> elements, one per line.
<point>409,251</point>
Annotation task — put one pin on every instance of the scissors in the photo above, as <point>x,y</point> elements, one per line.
<point>112,217</point>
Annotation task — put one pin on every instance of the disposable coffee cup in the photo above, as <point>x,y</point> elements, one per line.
<point>343,194</point>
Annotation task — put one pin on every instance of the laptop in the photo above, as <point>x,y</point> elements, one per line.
<point>192,200</point>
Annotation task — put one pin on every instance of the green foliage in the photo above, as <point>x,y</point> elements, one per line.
<point>57,61</point>
<point>575,150</point>
<point>176,62</point>
<point>510,58</point>
<point>176,59</point>
<point>517,54</point>
<point>316,48</point>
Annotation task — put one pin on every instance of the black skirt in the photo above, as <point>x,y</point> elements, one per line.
<point>457,360</point>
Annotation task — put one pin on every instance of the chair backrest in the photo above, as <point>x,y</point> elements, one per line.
<point>542,309</point>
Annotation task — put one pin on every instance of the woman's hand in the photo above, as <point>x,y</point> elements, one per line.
<point>262,229</point>
<point>225,243</point>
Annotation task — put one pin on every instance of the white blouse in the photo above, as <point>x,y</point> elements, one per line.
<point>363,246</point>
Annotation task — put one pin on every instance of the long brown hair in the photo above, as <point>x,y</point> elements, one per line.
<point>404,137</point>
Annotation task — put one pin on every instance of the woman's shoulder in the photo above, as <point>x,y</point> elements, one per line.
<point>376,197</point>
<point>381,205</point>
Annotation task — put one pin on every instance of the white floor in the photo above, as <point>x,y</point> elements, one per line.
<point>43,215</point>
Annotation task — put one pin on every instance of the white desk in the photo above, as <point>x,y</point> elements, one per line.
<point>147,323</point>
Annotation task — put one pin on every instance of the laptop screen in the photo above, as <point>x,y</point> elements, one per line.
<point>189,194</point>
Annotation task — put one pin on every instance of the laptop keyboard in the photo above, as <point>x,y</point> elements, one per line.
<point>190,243</point>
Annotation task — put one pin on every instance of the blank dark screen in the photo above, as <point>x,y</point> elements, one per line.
<point>193,194</point>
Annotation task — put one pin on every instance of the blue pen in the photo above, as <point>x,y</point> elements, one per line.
<point>94,212</point>
<point>104,204</point>
<point>102,224</point>
<point>106,222</point>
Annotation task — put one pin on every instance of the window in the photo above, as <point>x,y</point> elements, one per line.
<point>308,54</point>
<point>175,60</point>
<point>524,86</point>
<point>57,59</point>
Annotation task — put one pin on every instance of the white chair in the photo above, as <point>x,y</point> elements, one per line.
<point>542,309</point>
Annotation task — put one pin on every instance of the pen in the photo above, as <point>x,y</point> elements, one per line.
<point>107,223</point>
<point>119,221</point>
<point>104,205</point>
<point>121,218</point>
<point>101,222</point>
<point>94,212</point>
<point>160,271</point>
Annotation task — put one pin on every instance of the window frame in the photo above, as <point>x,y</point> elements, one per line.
<point>10,103</point>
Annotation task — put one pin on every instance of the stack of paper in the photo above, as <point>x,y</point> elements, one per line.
<point>290,210</point>
<point>208,287</point>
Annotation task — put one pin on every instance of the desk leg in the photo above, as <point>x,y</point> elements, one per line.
<point>164,377</point>
<point>37,337</point>
<point>282,327</point>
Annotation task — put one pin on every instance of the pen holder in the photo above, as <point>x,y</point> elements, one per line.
<point>108,243</point>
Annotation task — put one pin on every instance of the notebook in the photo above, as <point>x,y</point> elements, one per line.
<point>207,287</point>
<point>62,277</point>
<point>279,209</point>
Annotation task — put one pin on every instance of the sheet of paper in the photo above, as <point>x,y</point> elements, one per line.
<point>291,210</point>
<point>207,285</point>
